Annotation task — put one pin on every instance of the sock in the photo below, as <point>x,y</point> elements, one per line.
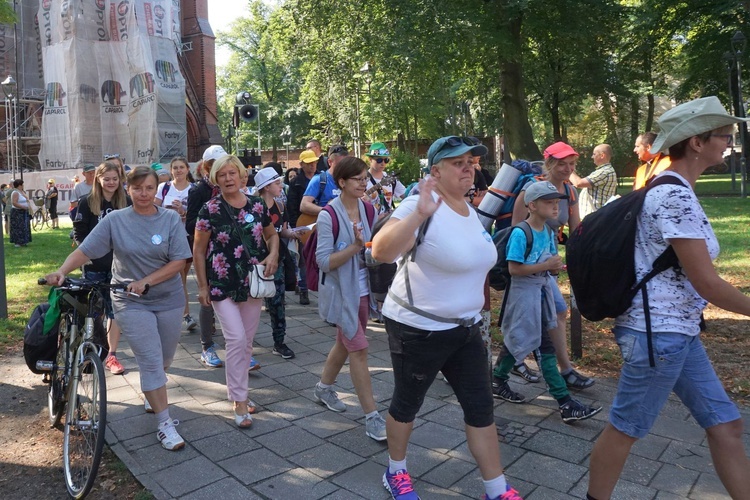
<point>394,465</point>
<point>495,487</point>
<point>113,354</point>
<point>323,386</point>
<point>162,416</point>
<point>518,364</point>
<point>371,414</point>
<point>566,372</point>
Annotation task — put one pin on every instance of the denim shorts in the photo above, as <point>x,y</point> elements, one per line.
<point>682,366</point>
<point>560,305</point>
<point>418,355</point>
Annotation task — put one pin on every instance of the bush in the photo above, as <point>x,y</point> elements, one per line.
<point>405,165</point>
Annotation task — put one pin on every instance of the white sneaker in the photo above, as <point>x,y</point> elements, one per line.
<point>168,435</point>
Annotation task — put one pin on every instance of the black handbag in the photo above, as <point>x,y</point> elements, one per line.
<point>286,259</point>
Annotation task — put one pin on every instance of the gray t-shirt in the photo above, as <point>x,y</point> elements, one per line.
<point>141,245</point>
<point>82,189</point>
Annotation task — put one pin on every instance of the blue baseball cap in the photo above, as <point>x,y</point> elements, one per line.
<point>452,146</point>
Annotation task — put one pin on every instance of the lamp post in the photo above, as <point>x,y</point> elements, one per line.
<point>286,140</point>
<point>729,61</point>
<point>738,48</point>
<point>366,72</point>
<point>9,87</point>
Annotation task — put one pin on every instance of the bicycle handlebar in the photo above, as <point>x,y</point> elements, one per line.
<point>76,284</point>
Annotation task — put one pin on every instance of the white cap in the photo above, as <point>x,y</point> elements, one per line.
<point>214,153</point>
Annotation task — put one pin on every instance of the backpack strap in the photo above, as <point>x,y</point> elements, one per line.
<point>409,306</point>
<point>322,187</point>
<point>334,222</point>
<point>165,189</point>
<point>370,214</point>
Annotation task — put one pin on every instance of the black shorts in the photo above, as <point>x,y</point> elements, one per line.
<point>418,355</point>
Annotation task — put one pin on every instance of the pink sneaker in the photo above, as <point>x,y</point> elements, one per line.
<point>113,365</point>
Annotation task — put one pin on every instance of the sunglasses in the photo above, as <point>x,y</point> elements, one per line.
<point>339,150</point>
<point>382,160</point>
<point>111,157</point>
<point>454,141</point>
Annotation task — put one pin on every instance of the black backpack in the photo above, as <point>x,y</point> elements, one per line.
<point>38,346</point>
<point>499,274</point>
<point>600,256</point>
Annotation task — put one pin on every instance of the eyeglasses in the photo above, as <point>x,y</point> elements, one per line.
<point>729,138</point>
<point>359,180</point>
<point>382,160</point>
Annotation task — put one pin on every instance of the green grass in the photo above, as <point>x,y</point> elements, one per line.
<point>707,185</point>
<point>23,266</point>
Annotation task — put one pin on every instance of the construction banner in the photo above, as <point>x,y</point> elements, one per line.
<point>123,90</point>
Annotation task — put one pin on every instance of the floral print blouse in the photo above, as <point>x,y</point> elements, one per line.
<point>227,265</point>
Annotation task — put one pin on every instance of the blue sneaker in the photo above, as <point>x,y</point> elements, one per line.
<point>210,358</point>
<point>399,485</point>
<point>254,365</point>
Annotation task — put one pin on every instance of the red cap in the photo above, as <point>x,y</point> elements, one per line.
<point>559,150</point>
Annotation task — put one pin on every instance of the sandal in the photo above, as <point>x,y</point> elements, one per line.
<point>243,421</point>
<point>252,407</point>
<point>575,380</point>
<point>525,373</point>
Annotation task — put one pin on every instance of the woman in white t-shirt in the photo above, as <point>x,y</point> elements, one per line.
<point>696,134</point>
<point>433,316</point>
<point>174,195</point>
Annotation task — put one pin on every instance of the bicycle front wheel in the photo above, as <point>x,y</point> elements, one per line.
<point>86,422</point>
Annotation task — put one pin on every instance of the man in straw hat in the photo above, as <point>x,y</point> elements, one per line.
<point>696,134</point>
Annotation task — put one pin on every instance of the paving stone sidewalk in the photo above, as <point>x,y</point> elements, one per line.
<point>298,449</point>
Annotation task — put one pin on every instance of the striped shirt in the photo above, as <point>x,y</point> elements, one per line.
<point>603,186</point>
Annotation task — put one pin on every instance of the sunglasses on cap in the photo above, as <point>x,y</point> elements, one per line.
<point>111,157</point>
<point>454,141</point>
<point>339,150</point>
<point>382,160</point>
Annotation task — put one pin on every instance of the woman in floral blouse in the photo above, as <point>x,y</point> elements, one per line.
<point>233,232</point>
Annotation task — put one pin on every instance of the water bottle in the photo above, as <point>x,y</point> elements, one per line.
<point>369,260</point>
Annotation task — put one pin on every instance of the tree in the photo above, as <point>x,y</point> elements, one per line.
<point>261,65</point>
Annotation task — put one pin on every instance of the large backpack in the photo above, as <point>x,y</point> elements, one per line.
<point>39,345</point>
<point>529,172</point>
<point>600,256</point>
<point>311,245</point>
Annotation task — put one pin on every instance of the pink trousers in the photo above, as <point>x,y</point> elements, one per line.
<point>239,322</point>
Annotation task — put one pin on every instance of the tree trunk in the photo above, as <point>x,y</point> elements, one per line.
<point>516,125</point>
<point>609,117</point>
<point>554,111</point>
<point>635,131</point>
<point>650,115</point>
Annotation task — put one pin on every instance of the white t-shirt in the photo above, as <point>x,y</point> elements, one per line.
<point>447,277</point>
<point>669,211</point>
<point>173,194</point>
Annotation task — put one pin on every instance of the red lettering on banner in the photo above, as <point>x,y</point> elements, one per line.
<point>114,34</point>
<point>149,19</point>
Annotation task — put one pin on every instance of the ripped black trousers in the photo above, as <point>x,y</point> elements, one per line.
<point>418,355</point>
